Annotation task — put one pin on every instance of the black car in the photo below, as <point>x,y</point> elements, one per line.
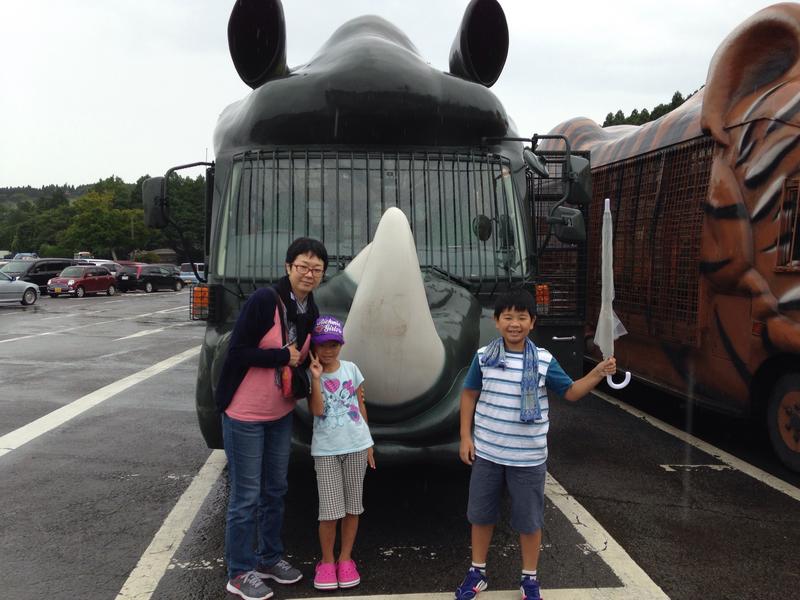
<point>148,278</point>
<point>38,270</point>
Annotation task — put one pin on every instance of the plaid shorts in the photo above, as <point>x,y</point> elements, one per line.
<point>340,483</point>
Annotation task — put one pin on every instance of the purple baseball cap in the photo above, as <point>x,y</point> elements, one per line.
<point>327,329</point>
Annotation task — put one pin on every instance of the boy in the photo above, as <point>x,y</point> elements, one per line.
<point>505,392</point>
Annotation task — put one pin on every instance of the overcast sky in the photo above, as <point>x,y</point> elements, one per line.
<point>94,88</point>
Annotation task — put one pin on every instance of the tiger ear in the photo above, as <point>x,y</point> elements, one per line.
<point>764,49</point>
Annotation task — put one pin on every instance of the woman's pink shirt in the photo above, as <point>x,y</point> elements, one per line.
<point>258,398</point>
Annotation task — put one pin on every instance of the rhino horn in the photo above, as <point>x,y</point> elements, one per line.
<point>389,332</point>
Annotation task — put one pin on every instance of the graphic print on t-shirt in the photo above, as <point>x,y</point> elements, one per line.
<point>341,403</point>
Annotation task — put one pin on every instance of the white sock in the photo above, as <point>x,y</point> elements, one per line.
<point>529,573</point>
<point>480,566</point>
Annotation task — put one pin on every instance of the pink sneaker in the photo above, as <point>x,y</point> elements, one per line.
<point>347,574</point>
<point>325,576</point>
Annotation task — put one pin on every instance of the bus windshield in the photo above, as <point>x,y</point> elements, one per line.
<point>338,198</point>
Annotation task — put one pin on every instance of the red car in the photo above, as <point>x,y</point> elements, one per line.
<point>80,280</point>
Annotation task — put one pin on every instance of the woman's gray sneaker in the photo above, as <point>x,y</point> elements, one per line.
<point>249,586</point>
<point>281,571</point>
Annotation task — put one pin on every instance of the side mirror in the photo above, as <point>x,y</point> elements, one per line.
<point>535,163</point>
<point>154,199</point>
<point>482,227</point>
<point>580,174</point>
<point>568,225</point>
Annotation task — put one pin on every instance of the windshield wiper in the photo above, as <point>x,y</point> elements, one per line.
<point>462,282</point>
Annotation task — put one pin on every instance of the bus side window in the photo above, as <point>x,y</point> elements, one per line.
<point>788,242</point>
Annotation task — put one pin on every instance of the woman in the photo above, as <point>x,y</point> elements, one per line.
<point>257,418</point>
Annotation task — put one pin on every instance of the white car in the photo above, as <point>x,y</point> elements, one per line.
<point>16,290</point>
<point>187,273</point>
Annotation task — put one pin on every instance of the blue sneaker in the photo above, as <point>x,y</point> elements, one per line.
<point>529,586</point>
<point>474,583</point>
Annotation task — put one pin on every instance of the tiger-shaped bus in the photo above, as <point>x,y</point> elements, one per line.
<point>707,255</point>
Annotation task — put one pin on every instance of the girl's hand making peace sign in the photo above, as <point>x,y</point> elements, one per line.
<point>315,367</point>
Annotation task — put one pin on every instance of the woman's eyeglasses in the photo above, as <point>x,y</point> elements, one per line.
<point>304,270</point>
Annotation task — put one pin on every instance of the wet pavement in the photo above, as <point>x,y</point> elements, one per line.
<point>83,501</point>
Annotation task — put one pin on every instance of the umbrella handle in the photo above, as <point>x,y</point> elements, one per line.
<point>618,386</point>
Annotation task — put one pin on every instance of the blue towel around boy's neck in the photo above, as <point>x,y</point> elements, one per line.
<point>495,356</point>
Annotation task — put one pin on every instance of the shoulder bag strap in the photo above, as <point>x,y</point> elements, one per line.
<point>281,310</point>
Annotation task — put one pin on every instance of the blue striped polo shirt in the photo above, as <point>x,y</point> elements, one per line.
<point>498,433</point>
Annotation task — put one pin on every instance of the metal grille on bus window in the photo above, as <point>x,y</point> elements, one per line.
<point>657,202</point>
<point>788,258</point>
<point>339,198</point>
<point>560,265</point>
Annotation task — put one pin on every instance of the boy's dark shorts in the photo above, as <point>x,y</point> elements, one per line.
<point>525,488</point>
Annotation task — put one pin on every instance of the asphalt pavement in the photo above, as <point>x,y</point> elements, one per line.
<point>100,454</point>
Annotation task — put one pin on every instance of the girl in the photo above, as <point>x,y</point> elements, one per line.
<point>341,446</point>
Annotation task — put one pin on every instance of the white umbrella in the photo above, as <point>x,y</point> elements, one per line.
<point>609,327</point>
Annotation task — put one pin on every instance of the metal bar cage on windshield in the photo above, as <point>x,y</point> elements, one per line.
<point>560,266</point>
<point>339,197</point>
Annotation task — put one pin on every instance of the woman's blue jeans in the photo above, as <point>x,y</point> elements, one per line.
<point>258,465</point>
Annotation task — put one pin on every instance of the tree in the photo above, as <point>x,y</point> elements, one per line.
<point>677,100</point>
<point>645,116</point>
<point>106,218</point>
<point>185,232</point>
<point>119,190</point>
<point>103,229</point>
<point>56,199</point>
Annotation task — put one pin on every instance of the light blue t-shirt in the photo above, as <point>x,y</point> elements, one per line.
<point>341,429</point>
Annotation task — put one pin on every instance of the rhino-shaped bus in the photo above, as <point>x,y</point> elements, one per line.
<point>428,202</point>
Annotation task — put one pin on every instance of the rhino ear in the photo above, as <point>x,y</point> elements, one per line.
<point>257,40</point>
<point>761,51</point>
<point>481,46</point>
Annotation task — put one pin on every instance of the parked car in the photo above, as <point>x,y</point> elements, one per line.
<point>12,290</point>
<point>26,256</point>
<point>37,271</point>
<point>149,278</point>
<point>187,273</point>
<point>170,267</point>
<point>110,265</point>
<point>79,280</point>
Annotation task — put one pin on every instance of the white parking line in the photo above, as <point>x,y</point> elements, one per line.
<point>636,585</point>
<point>94,324</point>
<point>560,594</point>
<point>721,455</point>
<point>145,332</point>
<point>152,565</point>
<point>73,314</point>
<point>23,435</point>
